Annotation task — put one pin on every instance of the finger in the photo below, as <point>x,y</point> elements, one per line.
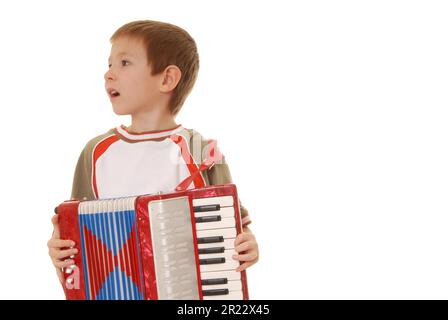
<point>59,243</point>
<point>63,264</point>
<point>245,246</point>
<point>61,254</point>
<point>245,257</point>
<point>243,237</point>
<point>244,266</point>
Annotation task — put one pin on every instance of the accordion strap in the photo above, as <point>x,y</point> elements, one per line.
<point>214,156</point>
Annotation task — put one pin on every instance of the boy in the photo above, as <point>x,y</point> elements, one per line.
<point>152,69</point>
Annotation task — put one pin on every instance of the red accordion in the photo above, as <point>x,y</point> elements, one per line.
<point>161,246</point>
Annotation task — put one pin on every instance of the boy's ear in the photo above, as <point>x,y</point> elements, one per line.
<point>171,78</point>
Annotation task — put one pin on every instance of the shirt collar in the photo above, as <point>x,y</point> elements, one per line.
<point>148,135</point>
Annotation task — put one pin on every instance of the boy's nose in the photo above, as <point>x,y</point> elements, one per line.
<point>109,75</point>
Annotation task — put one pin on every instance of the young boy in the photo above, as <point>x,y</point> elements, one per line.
<point>152,68</point>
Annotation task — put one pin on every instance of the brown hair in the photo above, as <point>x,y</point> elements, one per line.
<point>166,44</point>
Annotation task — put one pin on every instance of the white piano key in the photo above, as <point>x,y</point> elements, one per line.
<point>224,223</point>
<point>230,264</point>
<point>225,212</point>
<point>226,201</point>
<point>227,244</point>
<point>230,275</point>
<point>226,233</point>
<point>235,285</point>
<point>226,254</point>
<point>233,295</point>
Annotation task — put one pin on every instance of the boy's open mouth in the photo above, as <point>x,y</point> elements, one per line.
<point>113,93</point>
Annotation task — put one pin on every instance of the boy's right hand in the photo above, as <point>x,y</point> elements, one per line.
<point>59,250</point>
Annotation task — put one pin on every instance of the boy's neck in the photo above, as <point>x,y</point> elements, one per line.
<point>151,122</point>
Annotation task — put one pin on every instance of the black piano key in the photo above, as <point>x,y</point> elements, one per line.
<point>211,239</point>
<point>208,282</point>
<point>208,219</point>
<point>208,207</point>
<point>211,250</point>
<point>215,292</point>
<point>212,261</point>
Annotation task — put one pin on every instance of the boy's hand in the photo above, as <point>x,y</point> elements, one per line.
<point>247,247</point>
<point>55,246</point>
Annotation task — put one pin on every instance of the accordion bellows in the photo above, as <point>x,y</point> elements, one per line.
<point>162,246</point>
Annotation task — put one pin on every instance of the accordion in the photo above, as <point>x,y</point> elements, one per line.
<point>159,246</point>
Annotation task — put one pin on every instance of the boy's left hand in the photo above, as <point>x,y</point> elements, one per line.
<point>247,247</point>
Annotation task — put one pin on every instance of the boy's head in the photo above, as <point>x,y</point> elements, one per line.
<point>152,65</point>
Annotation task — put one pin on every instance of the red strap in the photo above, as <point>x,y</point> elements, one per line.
<point>214,156</point>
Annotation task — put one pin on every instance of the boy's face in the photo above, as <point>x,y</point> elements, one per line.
<point>129,83</point>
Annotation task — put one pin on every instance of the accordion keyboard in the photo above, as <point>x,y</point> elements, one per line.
<point>216,233</point>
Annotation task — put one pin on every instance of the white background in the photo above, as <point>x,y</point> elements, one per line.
<point>332,116</point>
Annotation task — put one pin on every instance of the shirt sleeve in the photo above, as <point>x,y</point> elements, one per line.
<point>81,187</point>
<point>219,173</point>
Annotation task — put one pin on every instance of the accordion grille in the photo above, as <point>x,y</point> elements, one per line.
<point>109,238</point>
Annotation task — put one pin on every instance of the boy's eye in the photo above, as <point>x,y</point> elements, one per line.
<point>123,63</point>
